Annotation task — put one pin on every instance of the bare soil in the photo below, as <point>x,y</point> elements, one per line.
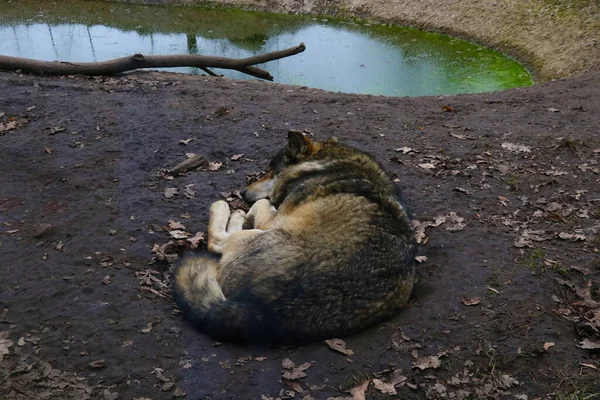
<point>501,310</point>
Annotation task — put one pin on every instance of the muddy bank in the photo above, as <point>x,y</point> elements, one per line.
<point>554,39</point>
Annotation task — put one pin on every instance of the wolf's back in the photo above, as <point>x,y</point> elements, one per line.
<point>198,294</point>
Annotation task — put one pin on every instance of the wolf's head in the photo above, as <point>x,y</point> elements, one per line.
<point>298,150</point>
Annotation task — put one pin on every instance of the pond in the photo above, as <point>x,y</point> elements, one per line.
<point>346,56</point>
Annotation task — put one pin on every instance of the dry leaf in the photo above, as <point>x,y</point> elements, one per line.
<point>5,344</point>
<point>296,372</point>
<point>189,192</point>
<point>462,190</point>
<point>173,225</point>
<point>571,236</point>
<point>185,141</point>
<point>447,108</point>
<point>427,166</point>
<point>236,157</point>
<point>384,387</point>
<point>56,129</point>
<point>4,127</point>
<point>420,259</point>
<point>506,381</point>
<point>179,234</point>
<point>454,223</point>
<point>195,240</point>
<point>516,148</point>
<point>427,362</point>
<point>358,392</point>
<point>470,302</point>
<point>589,344</point>
<point>147,328</point>
<point>214,166</point>
<point>461,136</point>
<point>529,236</point>
<point>405,150</point>
<point>170,192</point>
<point>339,345</point>
<point>286,363</point>
<point>547,345</point>
<point>97,364</point>
<point>295,386</point>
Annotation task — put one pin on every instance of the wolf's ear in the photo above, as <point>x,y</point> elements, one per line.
<point>298,145</point>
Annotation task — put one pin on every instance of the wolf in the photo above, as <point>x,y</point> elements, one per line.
<point>330,251</point>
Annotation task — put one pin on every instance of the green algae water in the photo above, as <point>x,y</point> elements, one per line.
<point>343,56</point>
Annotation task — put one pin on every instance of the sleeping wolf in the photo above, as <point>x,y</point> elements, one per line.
<point>331,251</point>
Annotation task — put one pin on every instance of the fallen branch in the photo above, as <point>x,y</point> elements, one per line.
<point>192,162</point>
<point>137,61</point>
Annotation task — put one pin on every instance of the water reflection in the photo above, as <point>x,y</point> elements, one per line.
<point>339,57</point>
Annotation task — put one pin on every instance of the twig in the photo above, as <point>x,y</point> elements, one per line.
<point>192,162</point>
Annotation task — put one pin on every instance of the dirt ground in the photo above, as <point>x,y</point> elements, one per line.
<point>505,186</point>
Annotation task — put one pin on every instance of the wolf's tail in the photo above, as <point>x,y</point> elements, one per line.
<point>198,294</point>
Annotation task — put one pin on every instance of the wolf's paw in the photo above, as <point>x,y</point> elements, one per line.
<point>219,207</point>
<point>260,214</point>
<point>236,221</point>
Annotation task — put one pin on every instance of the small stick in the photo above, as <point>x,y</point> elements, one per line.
<point>192,162</point>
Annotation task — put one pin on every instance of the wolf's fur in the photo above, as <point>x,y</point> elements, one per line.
<point>336,256</point>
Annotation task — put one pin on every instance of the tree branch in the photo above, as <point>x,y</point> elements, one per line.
<point>136,61</point>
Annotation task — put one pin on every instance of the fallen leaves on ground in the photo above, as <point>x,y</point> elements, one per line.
<point>37,379</point>
<point>389,387</point>
<point>590,344</point>
<point>12,124</point>
<point>147,328</point>
<point>571,236</point>
<point>455,223</point>
<point>470,301</point>
<point>529,236</point>
<point>427,166</point>
<point>405,150</point>
<point>55,129</point>
<point>291,372</point>
<point>5,344</point>
<point>96,364</point>
<point>170,192</point>
<point>167,382</point>
<point>195,240</point>
<point>548,345</point>
<point>358,392</point>
<point>174,225</point>
<point>150,283</point>
<point>426,362</point>
<point>339,345</point>
<point>214,166</point>
<point>516,148</point>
